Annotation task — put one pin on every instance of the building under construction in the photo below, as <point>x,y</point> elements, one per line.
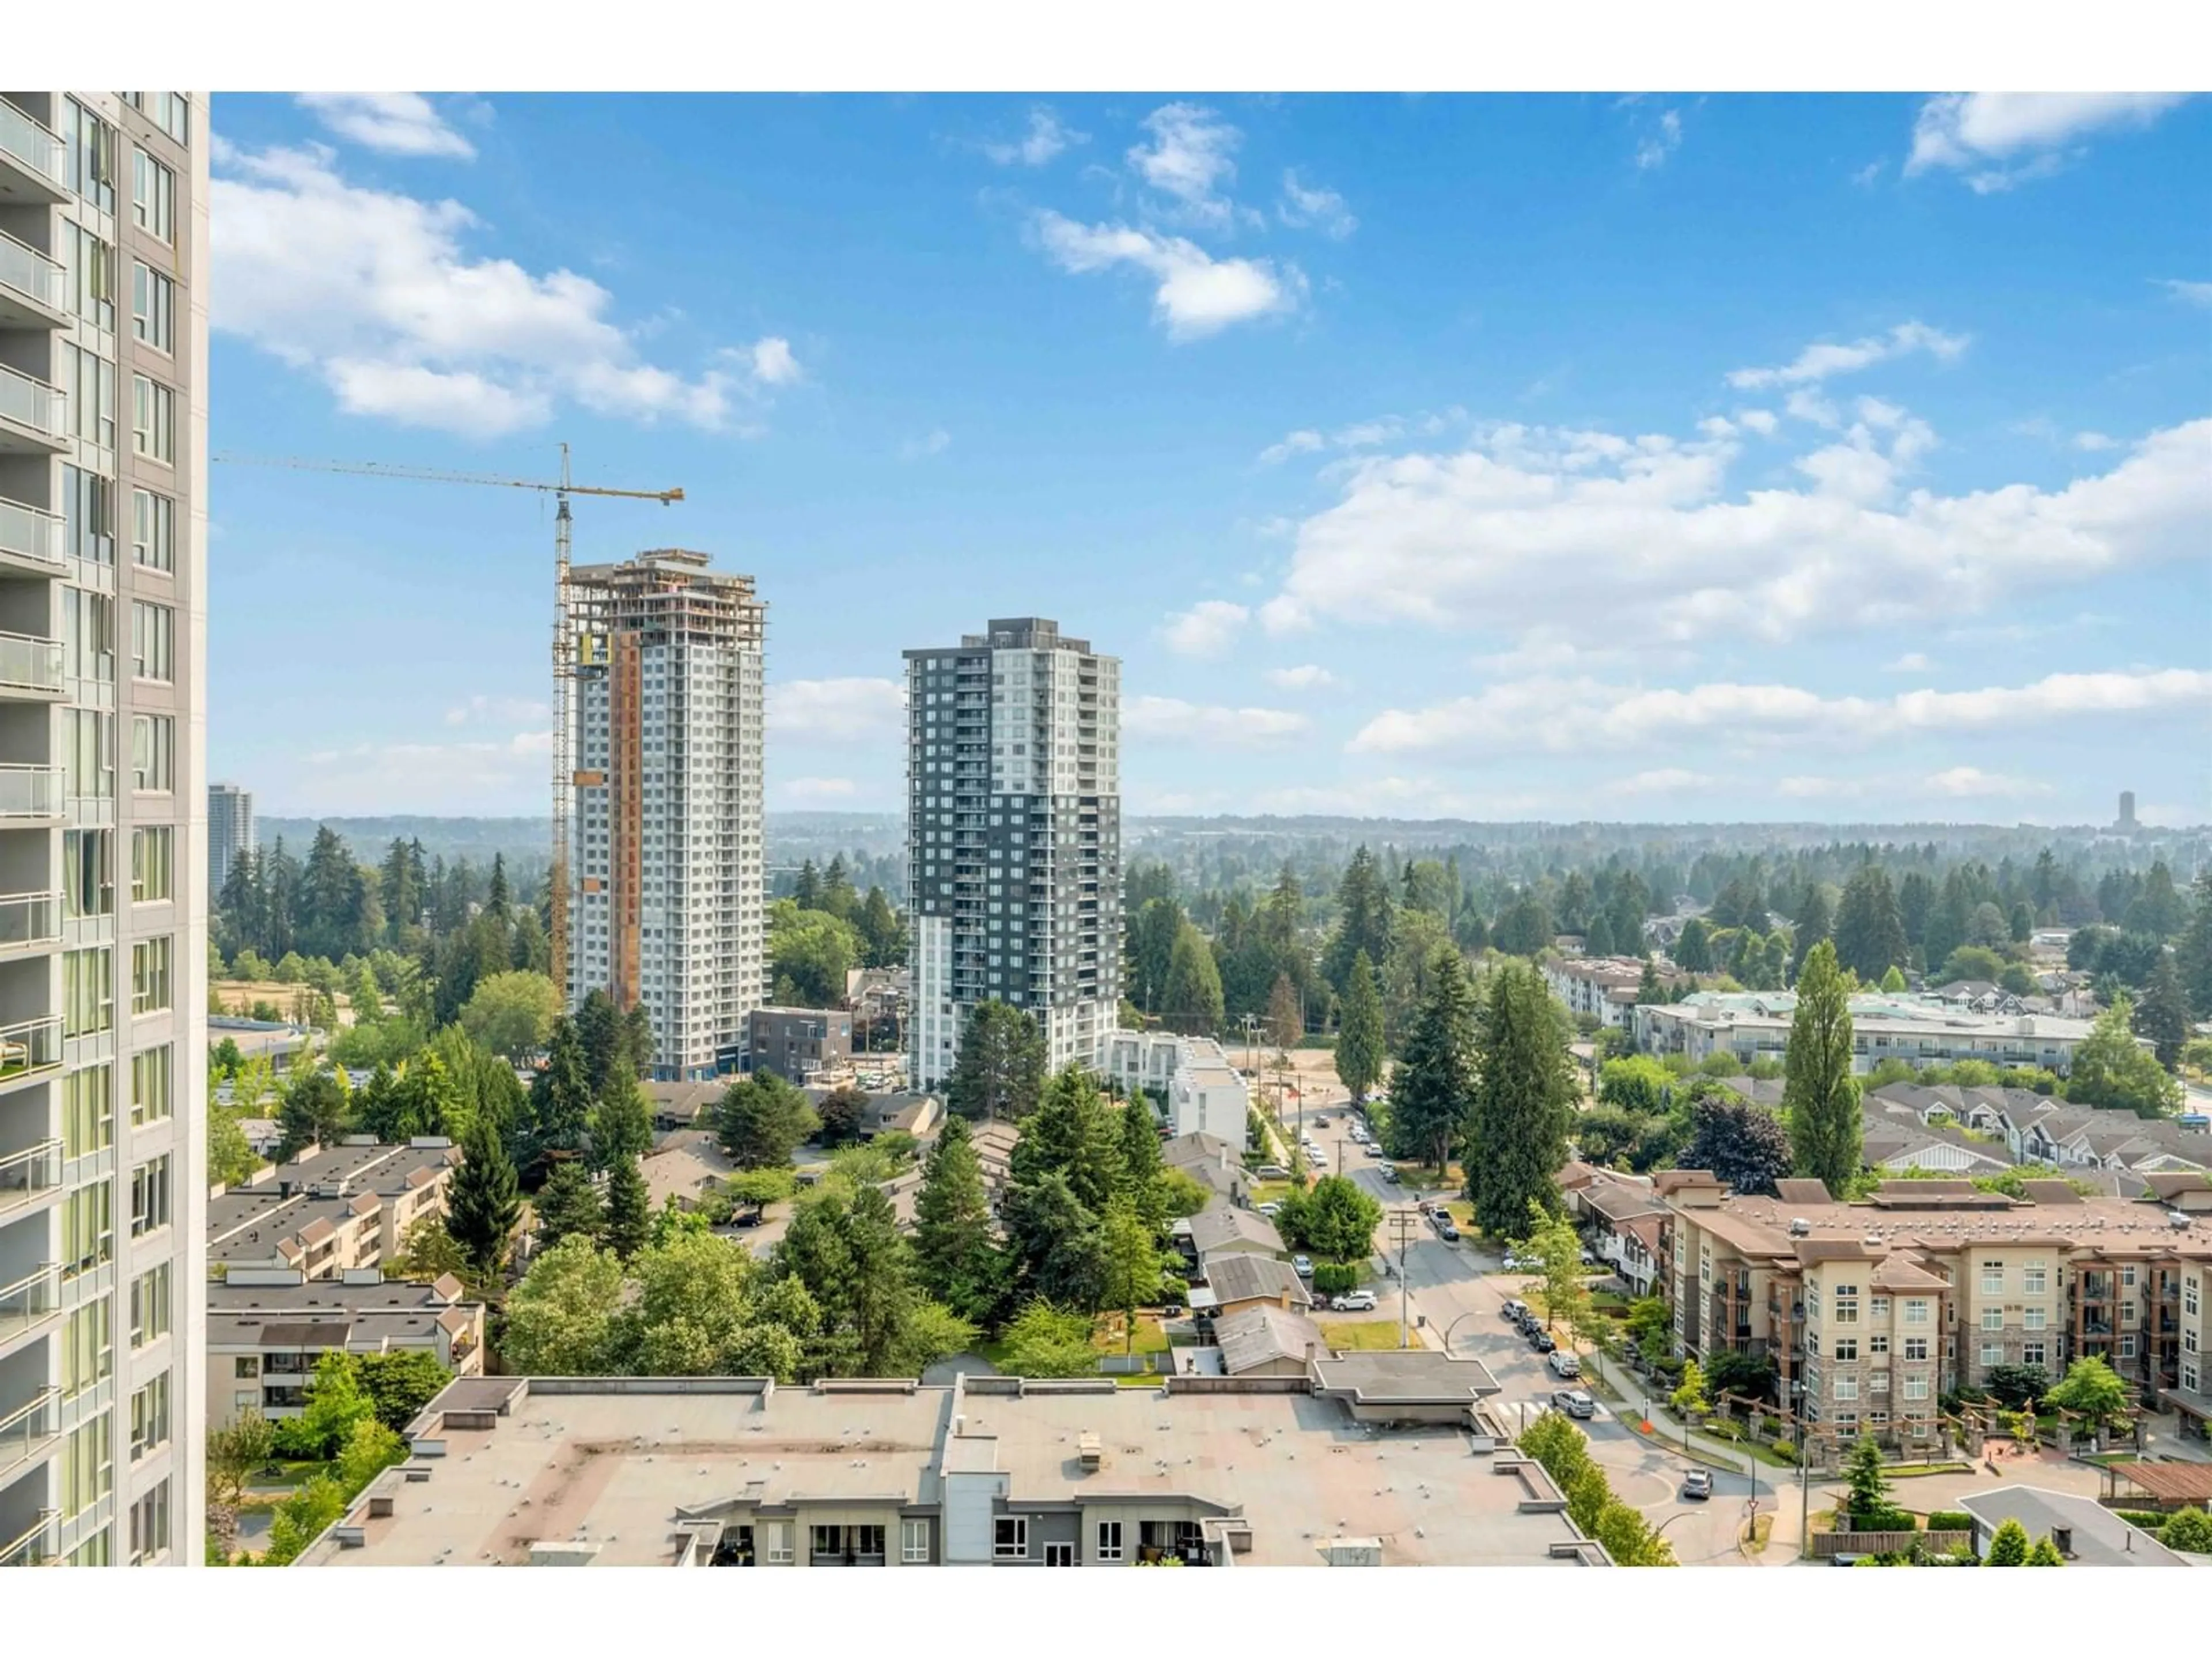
<point>667,899</point>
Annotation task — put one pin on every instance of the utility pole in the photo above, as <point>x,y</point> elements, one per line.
<point>1401,1225</point>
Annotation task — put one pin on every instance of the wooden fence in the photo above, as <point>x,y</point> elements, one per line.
<point>1826,1544</point>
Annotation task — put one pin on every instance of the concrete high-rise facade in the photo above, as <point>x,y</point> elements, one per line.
<point>229,833</point>
<point>667,900</point>
<point>103,930</point>
<point>1014,838</point>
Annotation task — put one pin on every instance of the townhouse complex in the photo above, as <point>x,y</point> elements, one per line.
<point>1754,1025</point>
<point>1201,1091</point>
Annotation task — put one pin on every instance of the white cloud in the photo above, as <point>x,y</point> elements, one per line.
<point>1197,295</point>
<point>1045,139</point>
<point>373,292</point>
<point>1655,148</point>
<point>1761,420</point>
<point>2196,294</point>
<point>773,363</point>
<point>933,443</point>
<point>1171,720</point>
<point>835,711</point>
<point>1970,783</point>
<point>1977,132</point>
<point>498,711</point>
<point>396,122</point>
<point>1817,362</point>
<point>1303,442</point>
<point>1953,783</point>
<point>811,789</point>
<point>1316,206</point>
<point>1459,540</point>
<point>1189,155</point>
<point>2094,442</point>
<point>1575,716</point>
<point>1208,628</point>
<point>1306,676</point>
<point>1661,781</point>
<point>1867,175</point>
<point>484,776</point>
<point>1913,662</point>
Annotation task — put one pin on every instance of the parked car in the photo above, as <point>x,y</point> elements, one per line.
<point>1541,1341</point>
<point>1322,1303</point>
<point>1302,1265</point>
<point>1320,1122</point>
<point>1271,1209</point>
<point>1514,1309</point>
<point>1272,1172</point>
<point>1446,1230</point>
<point>1527,1321</point>
<point>1588,1260</point>
<point>1564,1364</point>
<point>1390,1174</point>
<point>1356,1302</point>
<point>1574,1403</point>
<point>1514,1264</point>
<point>1697,1483</point>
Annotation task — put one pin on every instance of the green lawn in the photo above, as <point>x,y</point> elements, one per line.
<point>1271,1192</point>
<point>1151,1338</point>
<point>1362,1335</point>
<point>1909,1470</point>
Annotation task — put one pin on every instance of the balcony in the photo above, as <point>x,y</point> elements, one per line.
<point>34,291</point>
<point>35,1547</point>
<point>25,1174</point>
<point>30,791</point>
<point>29,1302</point>
<point>29,920</point>
<point>33,415</point>
<point>30,665</point>
<point>33,161</point>
<point>26,1049</point>
<point>30,1428</point>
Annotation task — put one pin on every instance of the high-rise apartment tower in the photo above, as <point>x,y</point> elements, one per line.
<point>103,930</point>
<point>666,905</point>
<point>229,833</point>
<point>1014,838</point>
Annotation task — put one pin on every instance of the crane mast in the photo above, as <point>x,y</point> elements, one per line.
<point>564,665</point>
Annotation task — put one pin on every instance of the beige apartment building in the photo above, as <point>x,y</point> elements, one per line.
<point>1871,1310</point>
<point>103,861</point>
<point>331,1212</point>
<point>267,1330</point>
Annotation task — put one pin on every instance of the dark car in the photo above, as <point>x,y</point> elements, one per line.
<point>1541,1341</point>
<point>1697,1483</point>
<point>1390,1174</point>
<point>1446,1231</point>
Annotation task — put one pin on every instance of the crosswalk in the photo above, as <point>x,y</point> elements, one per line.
<point>1514,1404</point>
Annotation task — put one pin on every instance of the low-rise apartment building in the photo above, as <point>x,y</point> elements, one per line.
<point>1871,1309</point>
<point>1203,1093</point>
<point>1603,987</point>
<point>1754,1025</point>
<point>330,1210</point>
<point>796,1043</point>
<point>267,1327</point>
<point>990,1471</point>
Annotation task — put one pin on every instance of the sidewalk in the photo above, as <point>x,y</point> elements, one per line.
<point>1633,1392</point>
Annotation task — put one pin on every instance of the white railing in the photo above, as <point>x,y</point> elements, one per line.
<point>33,274</point>
<point>33,404</point>
<point>30,791</point>
<point>22,1429</point>
<point>36,146</point>
<point>28,533</point>
<point>30,1548</point>
<point>30,1298</point>
<point>28,919</point>
<point>30,662</point>
<point>34,1168</point>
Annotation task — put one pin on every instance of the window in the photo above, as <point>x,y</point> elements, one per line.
<point>153,197</point>
<point>1916,1386</point>
<point>92,276</point>
<point>1060,1555</point>
<point>2188,1375</point>
<point>1916,1347</point>
<point>2036,1318</point>
<point>1847,1387</point>
<point>2031,1354</point>
<point>153,862</point>
<point>1010,1538</point>
<point>87,878</point>
<point>153,641</point>
<point>88,1468</point>
<point>149,1306</point>
<point>914,1541</point>
<point>1916,1309</point>
<point>87,1347</point>
<point>1847,1347</point>
<point>153,531</point>
<point>1992,1353</point>
<point>775,1542</point>
<point>91,155</point>
<point>88,634</point>
<point>1993,1279</point>
<point>88,1111</point>
<point>1877,1382</point>
<point>153,307</point>
<point>1847,1305</point>
<point>2128,1275</point>
<point>87,992</point>
<point>149,975</point>
<point>152,419</point>
<point>1993,1319</point>
<point>89,515</point>
<point>154,753</point>
<point>1878,1346</point>
<point>97,1551</point>
<point>2188,1294</point>
<point>88,754</point>
<point>150,1196</point>
<point>149,1418</point>
<point>149,1524</point>
<point>87,1229</point>
<point>1878,1308</point>
<point>89,380</point>
<point>152,1077</point>
<point>2128,1347</point>
<point>172,112</point>
<point>2035,1279</point>
<point>1109,1541</point>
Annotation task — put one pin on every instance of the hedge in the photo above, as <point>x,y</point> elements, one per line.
<point>1335,1278</point>
<point>1950,1520</point>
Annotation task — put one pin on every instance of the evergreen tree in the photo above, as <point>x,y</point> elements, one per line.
<point>559,1099</point>
<point>2194,953</point>
<point>1056,1247</point>
<point>1916,898</point>
<point>568,1206</point>
<point>484,1200</point>
<point>809,889</point>
<point>629,1208</point>
<point>2163,1014</point>
<point>1286,1022</point>
<point>599,1028</point>
<point>1820,1096</point>
<point>1693,950</point>
<point>316,1110</point>
<point>622,1124</point>
<point>1650,988</point>
<point>499,902</point>
<point>1524,1101</point>
<point>1433,1091</point>
<point>1359,1053</point>
<point>2044,1554</point>
<point>2008,1546</point>
<point>1364,920</point>
<point>2112,1069</point>
<point>1869,936</point>
<point>1000,1071</point>
<point>2158,910</point>
<point>1597,941</point>
<point>762,1119</point>
<point>953,1244</point>
<point>1191,1000</point>
<point>1073,1134</point>
<point>1138,1175</point>
<point>1814,922</point>
<point>1149,951</point>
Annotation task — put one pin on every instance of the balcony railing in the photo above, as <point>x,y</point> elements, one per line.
<point>30,791</point>
<point>28,920</point>
<point>27,533</point>
<point>31,1045</point>
<point>33,1547</point>
<point>32,275</point>
<point>34,146</point>
<point>25,1173</point>
<point>22,1429</point>
<point>25,402</point>
<point>35,1296</point>
<point>29,663</point>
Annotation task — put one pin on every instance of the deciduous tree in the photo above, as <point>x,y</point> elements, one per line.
<point>1820,1097</point>
<point>2112,1069</point>
<point>512,1014</point>
<point>1746,1146</point>
<point>761,1121</point>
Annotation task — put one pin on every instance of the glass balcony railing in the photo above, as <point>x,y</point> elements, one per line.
<point>32,275</point>
<point>22,1429</point>
<point>31,1299</point>
<point>30,1045</point>
<point>29,918</point>
<point>34,1547</point>
<point>30,791</point>
<point>25,1173</point>
<point>27,533</point>
<point>34,146</point>
<point>30,664</point>
<point>25,402</point>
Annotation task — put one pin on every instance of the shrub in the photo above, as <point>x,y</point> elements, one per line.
<point>1784,1450</point>
<point>2150,1520</point>
<point>1335,1278</point>
<point>1950,1520</point>
<point>2190,1530</point>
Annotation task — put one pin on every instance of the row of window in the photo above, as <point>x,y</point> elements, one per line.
<point>88,753</point>
<point>89,1100</point>
<point>2035,1279</point>
<point>88,516</point>
<point>88,874</point>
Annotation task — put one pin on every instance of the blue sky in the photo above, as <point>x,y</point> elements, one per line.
<point>1490,457</point>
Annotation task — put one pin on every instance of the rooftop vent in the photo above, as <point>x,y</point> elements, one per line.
<point>1800,1228</point>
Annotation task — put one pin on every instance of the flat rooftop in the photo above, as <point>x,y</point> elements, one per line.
<point>611,1461</point>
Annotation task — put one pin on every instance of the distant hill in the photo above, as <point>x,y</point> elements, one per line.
<point>521,840</point>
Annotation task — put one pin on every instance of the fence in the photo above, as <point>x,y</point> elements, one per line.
<point>1828,1544</point>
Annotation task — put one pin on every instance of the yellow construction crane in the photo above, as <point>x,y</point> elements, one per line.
<point>563,649</point>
